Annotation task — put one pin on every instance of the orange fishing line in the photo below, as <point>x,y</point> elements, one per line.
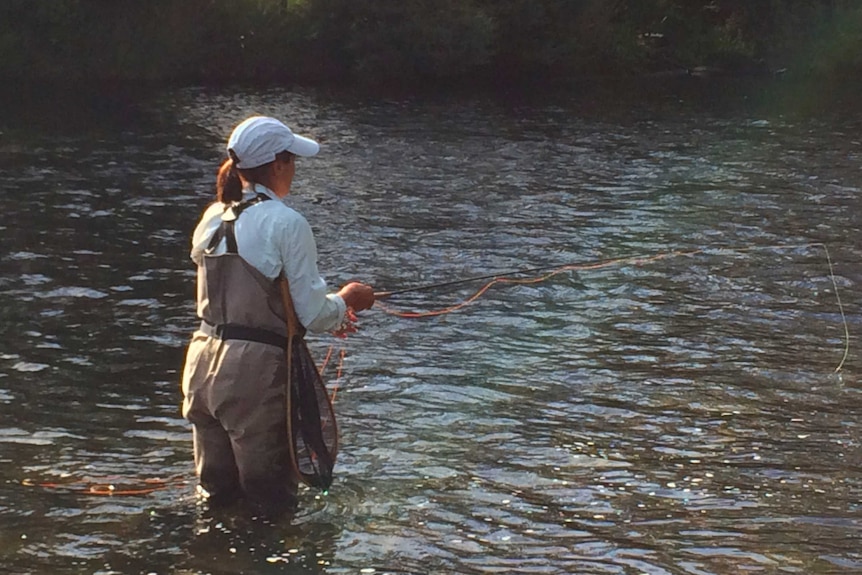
<point>157,484</point>
<point>326,359</point>
<point>338,371</point>
<point>108,489</point>
<point>634,260</point>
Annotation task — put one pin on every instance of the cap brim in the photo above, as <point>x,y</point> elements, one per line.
<point>302,146</point>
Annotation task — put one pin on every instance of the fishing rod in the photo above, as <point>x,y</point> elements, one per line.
<point>590,265</point>
<point>561,267</point>
<point>493,276</point>
<point>505,274</point>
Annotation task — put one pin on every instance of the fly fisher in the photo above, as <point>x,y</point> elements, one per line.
<point>260,416</point>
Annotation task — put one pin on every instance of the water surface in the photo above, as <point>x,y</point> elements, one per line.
<point>672,415</point>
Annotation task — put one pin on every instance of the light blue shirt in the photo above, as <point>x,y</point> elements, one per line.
<point>273,238</point>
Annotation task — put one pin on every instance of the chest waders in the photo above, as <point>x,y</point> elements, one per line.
<point>237,302</point>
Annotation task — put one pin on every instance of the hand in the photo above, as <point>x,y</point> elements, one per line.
<point>348,326</point>
<point>357,296</point>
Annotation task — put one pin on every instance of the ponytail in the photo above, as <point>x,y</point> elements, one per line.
<point>228,184</point>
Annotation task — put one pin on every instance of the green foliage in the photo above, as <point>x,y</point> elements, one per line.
<point>834,48</point>
<point>397,41</point>
<point>537,35</point>
<point>386,41</point>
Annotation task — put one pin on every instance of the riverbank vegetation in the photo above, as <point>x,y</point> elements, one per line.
<point>425,42</point>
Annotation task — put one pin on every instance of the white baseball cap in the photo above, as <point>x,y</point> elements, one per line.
<point>257,140</point>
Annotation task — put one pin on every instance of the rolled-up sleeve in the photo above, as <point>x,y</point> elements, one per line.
<point>316,310</point>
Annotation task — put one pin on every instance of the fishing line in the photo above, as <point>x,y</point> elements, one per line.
<point>123,487</point>
<point>504,278</point>
<point>840,308</point>
<point>111,487</point>
<point>117,486</point>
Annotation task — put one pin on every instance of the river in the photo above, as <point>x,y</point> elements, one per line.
<point>670,405</point>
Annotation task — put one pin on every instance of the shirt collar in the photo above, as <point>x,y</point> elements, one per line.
<point>252,191</point>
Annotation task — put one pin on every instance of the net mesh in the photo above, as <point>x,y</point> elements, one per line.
<point>312,429</point>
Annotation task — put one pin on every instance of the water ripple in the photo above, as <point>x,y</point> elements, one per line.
<point>670,415</point>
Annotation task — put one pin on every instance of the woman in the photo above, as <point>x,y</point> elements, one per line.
<point>235,370</point>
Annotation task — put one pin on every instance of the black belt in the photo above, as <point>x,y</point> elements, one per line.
<point>231,331</point>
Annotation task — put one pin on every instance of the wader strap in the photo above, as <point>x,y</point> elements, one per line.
<point>225,230</point>
<point>232,331</point>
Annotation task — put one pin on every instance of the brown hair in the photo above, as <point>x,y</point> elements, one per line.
<point>228,184</point>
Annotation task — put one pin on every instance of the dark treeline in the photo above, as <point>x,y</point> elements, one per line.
<point>378,42</point>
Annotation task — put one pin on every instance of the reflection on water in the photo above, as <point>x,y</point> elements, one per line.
<point>673,415</point>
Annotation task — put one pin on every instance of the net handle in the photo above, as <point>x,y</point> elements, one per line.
<point>290,317</point>
<point>291,322</point>
<point>294,330</point>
